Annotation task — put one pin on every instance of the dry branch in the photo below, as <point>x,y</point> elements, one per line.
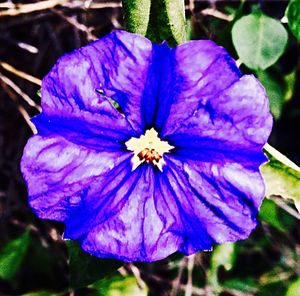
<point>21,109</point>
<point>28,8</point>
<point>18,90</point>
<point>21,74</point>
<point>217,14</point>
<point>81,27</point>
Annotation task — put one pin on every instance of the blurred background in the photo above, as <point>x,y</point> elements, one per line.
<point>34,260</point>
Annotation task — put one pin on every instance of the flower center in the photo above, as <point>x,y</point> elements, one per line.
<point>148,148</point>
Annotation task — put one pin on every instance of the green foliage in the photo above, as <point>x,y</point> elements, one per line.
<point>276,89</point>
<point>259,40</point>
<point>12,255</point>
<point>246,285</point>
<point>41,293</point>
<point>282,177</point>
<point>293,15</point>
<point>136,15</point>
<point>167,22</point>
<point>290,81</point>
<point>160,19</point>
<point>294,288</point>
<point>119,286</point>
<point>269,212</point>
<point>85,268</point>
<point>223,255</point>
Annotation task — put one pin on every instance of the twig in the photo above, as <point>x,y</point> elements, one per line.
<point>284,20</point>
<point>285,207</point>
<point>26,98</point>
<point>115,23</point>
<point>28,47</point>
<point>282,158</point>
<point>79,4</point>
<point>77,25</point>
<point>190,267</point>
<point>234,292</point>
<point>195,290</point>
<point>176,284</point>
<point>137,276</point>
<point>28,8</point>
<point>7,5</point>
<point>238,63</point>
<point>104,5</point>
<point>191,6</point>
<point>217,14</point>
<point>22,45</point>
<point>21,74</point>
<point>21,109</point>
<point>123,271</point>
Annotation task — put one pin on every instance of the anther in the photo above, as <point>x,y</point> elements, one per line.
<point>148,148</point>
<point>149,155</point>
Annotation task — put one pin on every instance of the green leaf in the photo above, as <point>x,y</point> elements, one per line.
<point>136,15</point>
<point>11,256</point>
<point>290,81</point>
<point>167,22</point>
<point>294,288</point>
<point>246,285</point>
<point>293,15</point>
<point>276,89</point>
<point>85,268</point>
<point>282,176</point>
<point>119,286</point>
<point>223,255</point>
<point>269,213</point>
<point>259,40</point>
<point>42,293</point>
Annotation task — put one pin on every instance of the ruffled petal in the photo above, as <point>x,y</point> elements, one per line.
<point>188,207</point>
<point>131,228</point>
<point>99,132</point>
<point>146,227</point>
<point>189,82</point>
<point>222,199</point>
<point>213,111</point>
<point>62,176</point>
<point>234,124</point>
<point>114,67</point>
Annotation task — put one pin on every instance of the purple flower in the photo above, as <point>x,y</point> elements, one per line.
<point>174,167</point>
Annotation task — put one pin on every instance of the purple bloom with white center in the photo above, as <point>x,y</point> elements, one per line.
<point>174,167</point>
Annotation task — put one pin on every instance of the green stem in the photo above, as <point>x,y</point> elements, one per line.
<point>136,15</point>
<point>159,20</point>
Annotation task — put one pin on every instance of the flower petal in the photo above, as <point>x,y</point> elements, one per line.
<point>147,227</point>
<point>115,66</point>
<point>189,82</point>
<point>61,176</point>
<point>188,207</point>
<point>131,229</point>
<point>222,198</point>
<point>234,124</point>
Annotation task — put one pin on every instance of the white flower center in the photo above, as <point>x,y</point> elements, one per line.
<point>149,148</point>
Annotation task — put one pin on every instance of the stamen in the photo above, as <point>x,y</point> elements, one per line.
<point>149,155</point>
<point>148,148</point>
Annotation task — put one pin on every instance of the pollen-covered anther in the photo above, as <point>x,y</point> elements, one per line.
<point>149,155</point>
<point>148,148</point>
